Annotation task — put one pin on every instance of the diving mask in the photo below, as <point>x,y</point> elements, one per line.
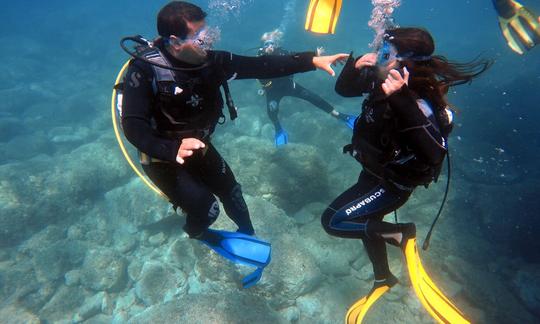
<point>204,39</point>
<point>269,46</point>
<point>387,53</point>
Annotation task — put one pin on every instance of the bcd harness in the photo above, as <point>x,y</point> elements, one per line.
<point>169,81</point>
<point>395,162</point>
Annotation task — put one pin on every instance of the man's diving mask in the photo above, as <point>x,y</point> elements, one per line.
<point>204,39</point>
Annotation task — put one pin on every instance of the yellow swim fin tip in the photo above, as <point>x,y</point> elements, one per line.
<point>358,310</point>
<point>322,16</point>
<point>431,297</point>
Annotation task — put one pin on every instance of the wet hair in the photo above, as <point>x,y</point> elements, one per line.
<point>173,18</point>
<point>431,78</point>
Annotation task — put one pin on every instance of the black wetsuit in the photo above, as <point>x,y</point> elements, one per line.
<point>277,88</point>
<point>155,123</point>
<point>399,148</point>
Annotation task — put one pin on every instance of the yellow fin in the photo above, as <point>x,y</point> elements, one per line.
<point>431,297</point>
<point>357,311</point>
<point>322,16</point>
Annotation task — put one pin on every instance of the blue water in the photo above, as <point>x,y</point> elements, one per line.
<point>59,160</point>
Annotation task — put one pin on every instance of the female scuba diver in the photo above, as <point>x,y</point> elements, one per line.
<point>400,138</point>
<point>277,88</point>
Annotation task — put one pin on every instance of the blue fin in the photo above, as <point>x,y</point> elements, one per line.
<point>281,137</point>
<point>349,120</point>
<point>241,249</point>
<point>252,279</point>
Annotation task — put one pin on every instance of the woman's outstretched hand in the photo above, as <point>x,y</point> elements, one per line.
<point>325,62</point>
<point>394,81</point>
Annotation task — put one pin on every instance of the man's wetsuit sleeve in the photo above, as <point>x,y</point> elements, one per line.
<point>264,67</point>
<point>420,134</point>
<point>137,115</point>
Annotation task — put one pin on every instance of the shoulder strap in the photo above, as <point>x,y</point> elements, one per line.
<point>155,56</point>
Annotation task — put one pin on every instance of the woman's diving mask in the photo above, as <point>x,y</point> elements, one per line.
<point>388,53</point>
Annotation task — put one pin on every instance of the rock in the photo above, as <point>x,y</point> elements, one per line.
<point>64,302</point>
<point>291,314</point>
<point>72,278</point>
<point>124,242</point>
<point>159,283</point>
<point>13,314</point>
<point>211,308</point>
<point>104,270</point>
<point>332,255</point>
<point>286,171</point>
<point>100,319</point>
<point>91,307</point>
<point>125,301</point>
<point>303,216</point>
<point>134,269</point>
<point>67,134</point>
<point>157,240</point>
<point>180,254</point>
<point>298,273</point>
<point>309,306</point>
<point>134,205</point>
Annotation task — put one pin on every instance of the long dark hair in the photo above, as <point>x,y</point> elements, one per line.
<point>432,76</point>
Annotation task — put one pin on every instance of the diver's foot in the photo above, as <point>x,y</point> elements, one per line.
<point>403,233</point>
<point>408,232</point>
<point>247,231</point>
<point>390,281</point>
<point>281,138</point>
<point>347,119</point>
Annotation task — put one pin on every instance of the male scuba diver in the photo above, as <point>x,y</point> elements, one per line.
<point>519,25</point>
<point>400,139</point>
<point>277,88</point>
<point>171,105</point>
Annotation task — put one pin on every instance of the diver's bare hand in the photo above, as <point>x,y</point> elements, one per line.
<point>395,81</point>
<point>187,147</point>
<point>369,59</point>
<point>325,62</point>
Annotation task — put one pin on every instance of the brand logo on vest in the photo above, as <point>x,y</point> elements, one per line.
<point>364,202</point>
<point>195,100</point>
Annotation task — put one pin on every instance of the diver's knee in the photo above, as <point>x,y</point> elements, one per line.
<point>326,220</point>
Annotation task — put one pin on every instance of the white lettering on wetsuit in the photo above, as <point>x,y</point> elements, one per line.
<point>365,201</point>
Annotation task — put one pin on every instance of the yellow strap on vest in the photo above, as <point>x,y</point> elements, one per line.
<point>322,16</point>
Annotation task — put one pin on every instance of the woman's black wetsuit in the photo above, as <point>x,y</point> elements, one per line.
<point>159,111</point>
<point>277,88</point>
<point>399,146</point>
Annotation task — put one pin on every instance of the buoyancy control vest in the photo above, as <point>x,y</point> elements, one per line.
<point>387,156</point>
<point>186,100</point>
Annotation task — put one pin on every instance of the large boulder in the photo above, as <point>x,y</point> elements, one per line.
<point>159,283</point>
<point>104,269</point>
<point>210,308</point>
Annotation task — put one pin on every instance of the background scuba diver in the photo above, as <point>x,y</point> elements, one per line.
<point>277,88</point>
<point>519,25</point>
<point>399,138</point>
<point>169,114</point>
